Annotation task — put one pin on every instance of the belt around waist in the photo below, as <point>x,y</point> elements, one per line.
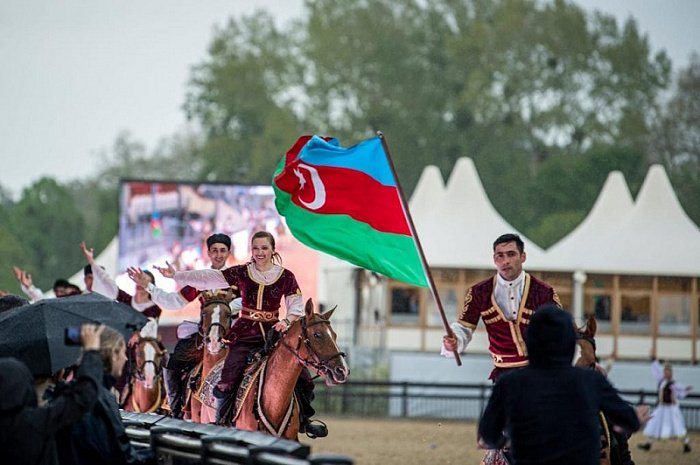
<point>259,315</point>
<point>509,361</point>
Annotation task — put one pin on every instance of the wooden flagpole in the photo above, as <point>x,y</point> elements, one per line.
<point>412,227</point>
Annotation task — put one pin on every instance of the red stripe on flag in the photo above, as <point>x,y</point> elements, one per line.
<point>347,192</point>
<point>293,152</point>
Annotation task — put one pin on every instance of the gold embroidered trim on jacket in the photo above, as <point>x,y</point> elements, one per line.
<point>259,315</point>
<point>488,311</point>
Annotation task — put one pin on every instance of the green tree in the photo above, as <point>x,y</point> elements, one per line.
<point>510,83</point>
<point>569,186</point>
<point>676,141</point>
<point>12,251</point>
<point>241,97</point>
<point>50,228</point>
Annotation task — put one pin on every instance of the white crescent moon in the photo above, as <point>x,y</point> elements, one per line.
<point>319,188</point>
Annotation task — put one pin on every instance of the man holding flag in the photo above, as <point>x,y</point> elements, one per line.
<point>342,200</point>
<point>505,302</point>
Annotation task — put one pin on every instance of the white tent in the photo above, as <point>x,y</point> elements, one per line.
<point>655,237</point>
<point>458,224</point>
<point>612,205</point>
<point>429,192</point>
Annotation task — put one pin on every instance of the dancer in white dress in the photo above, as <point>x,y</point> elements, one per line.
<point>667,420</point>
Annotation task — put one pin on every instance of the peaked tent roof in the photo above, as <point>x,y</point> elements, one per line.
<point>429,191</point>
<point>656,237</point>
<point>613,203</point>
<point>457,225</point>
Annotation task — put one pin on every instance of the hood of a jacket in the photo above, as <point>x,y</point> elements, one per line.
<point>16,385</point>
<point>551,338</point>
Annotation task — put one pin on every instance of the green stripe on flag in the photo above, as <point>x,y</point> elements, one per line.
<point>392,255</point>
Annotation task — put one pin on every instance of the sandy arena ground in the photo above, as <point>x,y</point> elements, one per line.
<point>372,441</point>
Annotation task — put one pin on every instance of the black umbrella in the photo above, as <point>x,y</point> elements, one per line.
<point>35,333</point>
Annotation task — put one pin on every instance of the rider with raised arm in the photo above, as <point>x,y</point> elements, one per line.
<point>61,287</point>
<point>141,301</point>
<point>263,284</point>
<point>185,356</point>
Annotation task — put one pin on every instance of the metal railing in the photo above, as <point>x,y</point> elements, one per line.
<point>444,400</point>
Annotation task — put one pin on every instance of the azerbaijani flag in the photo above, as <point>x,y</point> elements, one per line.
<point>345,202</point>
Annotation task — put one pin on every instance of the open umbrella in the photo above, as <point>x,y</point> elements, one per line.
<point>35,333</point>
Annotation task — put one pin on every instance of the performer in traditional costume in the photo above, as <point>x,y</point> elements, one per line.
<point>104,284</point>
<point>505,303</point>
<point>667,420</point>
<point>263,284</point>
<point>61,287</point>
<point>185,355</point>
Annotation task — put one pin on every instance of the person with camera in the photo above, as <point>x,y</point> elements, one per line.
<point>100,436</point>
<point>27,431</point>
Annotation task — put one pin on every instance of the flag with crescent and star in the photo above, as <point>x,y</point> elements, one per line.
<point>345,202</point>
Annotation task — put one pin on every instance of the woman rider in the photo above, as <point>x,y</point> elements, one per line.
<point>262,283</point>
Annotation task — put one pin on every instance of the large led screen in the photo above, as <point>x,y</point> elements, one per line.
<point>169,222</point>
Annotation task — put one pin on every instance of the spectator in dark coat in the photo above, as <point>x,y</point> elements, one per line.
<point>100,437</point>
<point>26,430</point>
<point>549,409</point>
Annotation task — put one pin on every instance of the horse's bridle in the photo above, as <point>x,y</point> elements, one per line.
<point>204,332</point>
<point>138,373</point>
<point>588,338</point>
<point>320,365</point>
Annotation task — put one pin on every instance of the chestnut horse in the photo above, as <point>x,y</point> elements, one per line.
<point>266,400</point>
<point>216,319</point>
<point>146,390</point>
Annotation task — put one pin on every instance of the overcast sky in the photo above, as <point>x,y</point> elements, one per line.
<point>75,73</point>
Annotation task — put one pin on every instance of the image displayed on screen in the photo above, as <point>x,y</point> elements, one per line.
<point>169,222</point>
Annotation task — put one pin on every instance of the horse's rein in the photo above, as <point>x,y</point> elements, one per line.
<point>319,364</point>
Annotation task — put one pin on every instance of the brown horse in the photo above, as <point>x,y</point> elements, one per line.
<point>146,389</point>
<point>267,400</point>
<point>216,318</point>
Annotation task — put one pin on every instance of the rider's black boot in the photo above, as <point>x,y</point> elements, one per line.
<point>312,428</point>
<point>173,389</point>
<point>224,406</point>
